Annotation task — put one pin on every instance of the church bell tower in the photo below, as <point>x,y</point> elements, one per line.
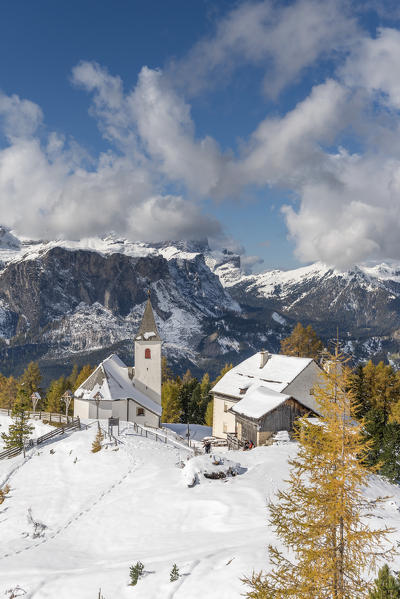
<point>148,356</point>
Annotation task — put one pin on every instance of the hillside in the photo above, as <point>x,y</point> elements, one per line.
<point>66,301</point>
<point>100,513</point>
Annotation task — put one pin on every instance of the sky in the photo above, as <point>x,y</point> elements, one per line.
<point>271,128</point>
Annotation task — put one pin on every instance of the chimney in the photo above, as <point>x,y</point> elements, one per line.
<point>264,355</point>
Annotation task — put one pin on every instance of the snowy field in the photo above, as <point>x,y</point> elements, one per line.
<point>97,514</point>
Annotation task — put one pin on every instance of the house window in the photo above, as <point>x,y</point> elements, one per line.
<point>224,427</point>
<point>147,353</point>
<point>226,407</point>
<point>139,411</point>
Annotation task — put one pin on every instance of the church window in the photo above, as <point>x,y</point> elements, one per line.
<point>139,411</point>
<point>147,353</point>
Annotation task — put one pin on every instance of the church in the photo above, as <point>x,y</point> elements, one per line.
<point>130,393</point>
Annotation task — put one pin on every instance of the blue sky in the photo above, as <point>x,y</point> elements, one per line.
<point>270,127</point>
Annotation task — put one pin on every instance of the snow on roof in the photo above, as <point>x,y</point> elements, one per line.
<point>259,400</point>
<point>278,372</point>
<point>112,381</point>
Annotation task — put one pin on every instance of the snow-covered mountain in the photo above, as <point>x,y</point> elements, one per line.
<point>76,301</point>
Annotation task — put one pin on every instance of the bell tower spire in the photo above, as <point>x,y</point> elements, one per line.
<point>148,355</point>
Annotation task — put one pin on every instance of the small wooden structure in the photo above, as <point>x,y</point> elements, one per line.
<point>265,412</point>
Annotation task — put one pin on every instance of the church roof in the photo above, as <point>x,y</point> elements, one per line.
<point>112,381</point>
<point>148,328</point>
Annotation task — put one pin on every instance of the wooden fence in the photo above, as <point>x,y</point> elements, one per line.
<point>50,416</point>
<point>14,451</point>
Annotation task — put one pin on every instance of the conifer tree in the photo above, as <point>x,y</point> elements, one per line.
<point>53,396</point>
<point>209,413</point>
<point>31,379</point>
<point>302,342</point>
<point>8,392</point>
<point>174,574</point>
<point>96,445</point>
<point>20,431</point>
<point>320,518</point>
<point>135,572</point>
<point>386,586</point>
<point>84,373</point>
<point>170,402</point>
<point>224,370</point>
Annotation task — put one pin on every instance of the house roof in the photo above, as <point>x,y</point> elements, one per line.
<point>112,381</point>
<point>278,372</point>
<point>148,328</point>
<point>259,401</point>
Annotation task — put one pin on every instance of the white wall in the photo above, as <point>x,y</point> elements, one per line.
<point>302,385</point>
<point>81,408</point>
<point>220,417</point>
<point>120,411</point>
<point>148,371</point>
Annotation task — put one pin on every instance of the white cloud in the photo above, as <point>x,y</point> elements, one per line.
<point>46,189</point>
<point>283,39</point>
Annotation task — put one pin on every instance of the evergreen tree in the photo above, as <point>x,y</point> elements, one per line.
<point>54,393</point>
<point>135,572</point>
<point>166,372</point>
<point>302,342</point>
<point>8,392</point>
<point>321,517</point>
<point>31,379</point>
<point>85,372</point>
<point>72,378</point>
<point>196,410</point>
<point>20,431</point>
<point>96,445</point>
<point>185,397</point>
<point>174,574</point>
<point>224,370</point>
<point>209,413</point>
<point>386,586</point>
<point>171,405</point>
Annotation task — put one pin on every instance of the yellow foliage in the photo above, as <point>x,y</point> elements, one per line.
<point>321,517</point>
<point>302,342</point>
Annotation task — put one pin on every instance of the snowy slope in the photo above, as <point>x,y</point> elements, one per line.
<point>103,512</point>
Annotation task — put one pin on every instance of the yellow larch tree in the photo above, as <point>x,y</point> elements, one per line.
<point>321,517</point>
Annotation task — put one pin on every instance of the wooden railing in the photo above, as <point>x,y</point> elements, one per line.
<point>50,416</point>
<point>233,441</point>
<point>14,451</point>
<point>159,436</point>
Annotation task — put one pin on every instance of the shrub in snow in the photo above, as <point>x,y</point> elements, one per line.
<point>38,527</point>
<point>174,574</point>
<point>3,493</point>
<point>135,572</point>
<point>96,445</point>
<point>14,593</point>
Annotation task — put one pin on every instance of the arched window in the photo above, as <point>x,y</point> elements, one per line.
<point>147,353</point>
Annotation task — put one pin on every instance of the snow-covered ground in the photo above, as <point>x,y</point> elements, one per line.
<point>97,514</point>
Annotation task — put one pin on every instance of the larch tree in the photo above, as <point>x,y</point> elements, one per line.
<point>303,342</point>
<point>171,405</point>
<point>31,378</point>
<point>8,392</point>
<point>321,516</point>
<point>209,413</point>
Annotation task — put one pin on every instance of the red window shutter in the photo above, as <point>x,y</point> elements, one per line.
<point>147,354</point>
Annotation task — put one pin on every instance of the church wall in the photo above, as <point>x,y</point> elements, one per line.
<point>81,408</point>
